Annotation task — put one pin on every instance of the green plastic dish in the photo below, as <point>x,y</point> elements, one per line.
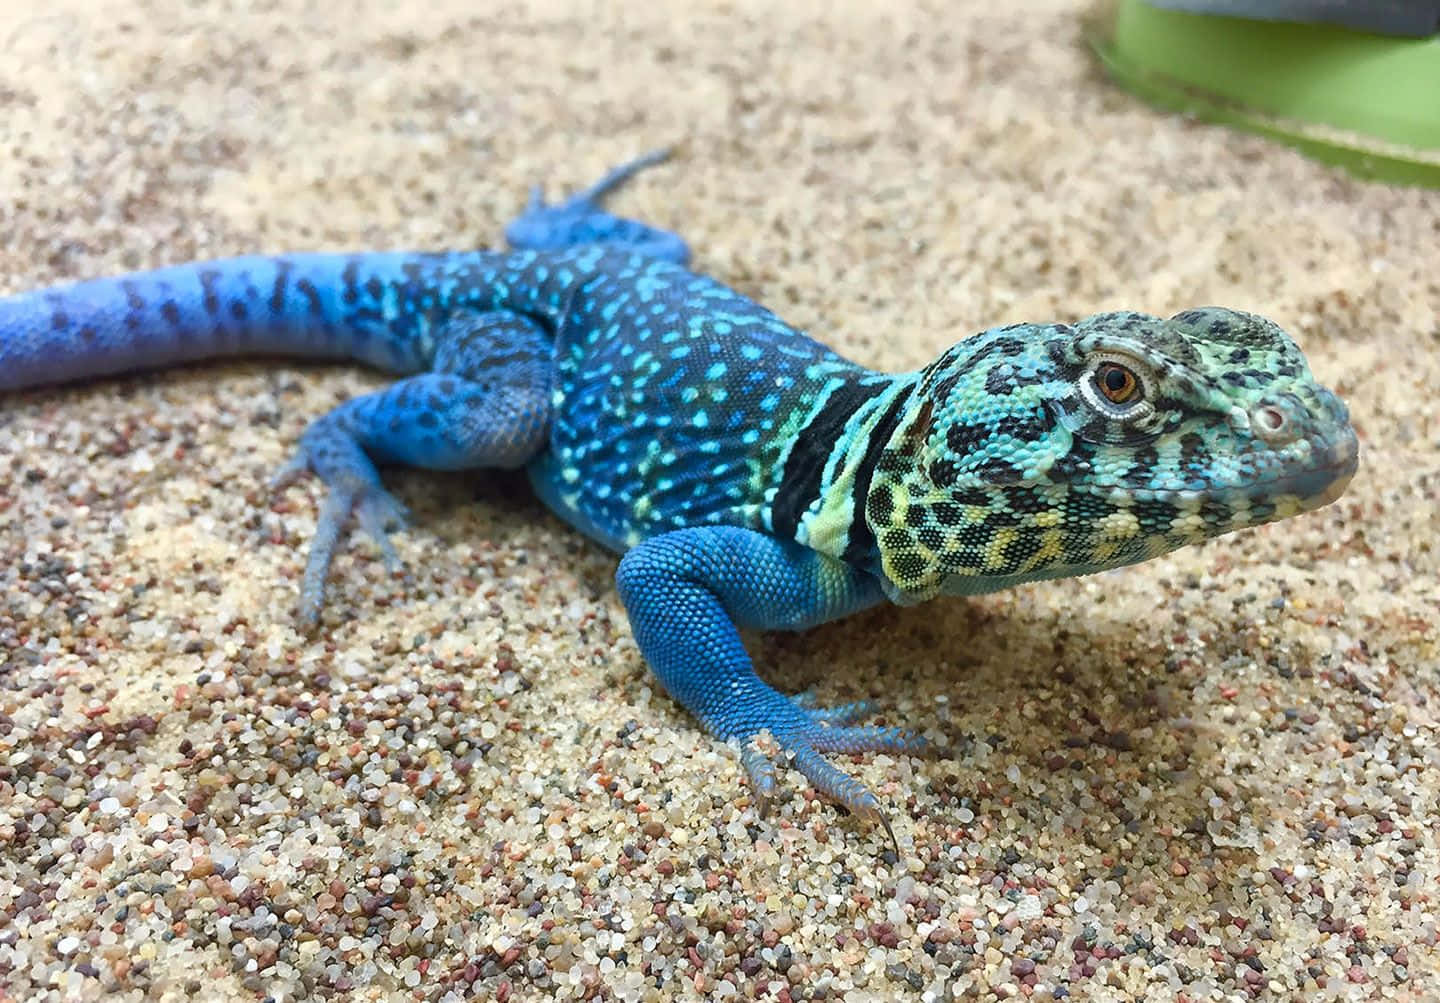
<point>1369,103</point>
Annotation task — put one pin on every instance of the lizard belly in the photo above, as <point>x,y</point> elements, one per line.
<point>623,473</point>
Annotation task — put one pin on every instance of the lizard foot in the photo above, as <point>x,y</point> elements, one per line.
<point>352,490</point>
<point>831,730</point>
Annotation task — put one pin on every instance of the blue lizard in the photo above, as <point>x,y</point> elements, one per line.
<point>751,477</point>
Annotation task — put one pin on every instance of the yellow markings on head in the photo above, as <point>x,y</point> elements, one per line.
<point>1188,523</point>
<point>1051,550</point>
<point>1050,517</point>
<point>1104,551</point>
<point>1288,505</point>
<point>995,549</point>
<point>1118,525</point>
<point>1240,514</point>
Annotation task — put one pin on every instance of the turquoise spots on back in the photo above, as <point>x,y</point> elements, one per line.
<point>672,395</point>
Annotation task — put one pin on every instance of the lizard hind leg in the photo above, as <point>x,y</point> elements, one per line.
<point>581,220</point>
<point>485,403</point>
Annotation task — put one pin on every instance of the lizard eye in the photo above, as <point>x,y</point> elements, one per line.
<point>1117,384</point>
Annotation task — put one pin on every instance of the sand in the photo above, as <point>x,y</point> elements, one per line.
<point>1210,777</point>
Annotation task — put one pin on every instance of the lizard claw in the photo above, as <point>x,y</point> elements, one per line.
<point>352,489</point>
<point>829,730</point>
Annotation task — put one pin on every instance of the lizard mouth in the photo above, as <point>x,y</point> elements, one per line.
<point>1320,483</point>
<point>1317,481</point>
<point>1308,484</point>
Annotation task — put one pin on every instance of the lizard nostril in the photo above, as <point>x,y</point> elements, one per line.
<point>1271,423</point>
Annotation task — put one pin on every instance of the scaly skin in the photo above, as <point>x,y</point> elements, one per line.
<point>750,476</point>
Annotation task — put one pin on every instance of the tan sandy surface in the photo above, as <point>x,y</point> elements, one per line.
<point>1211,777</point>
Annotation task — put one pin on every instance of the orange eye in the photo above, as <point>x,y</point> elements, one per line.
<point>1117,383</point>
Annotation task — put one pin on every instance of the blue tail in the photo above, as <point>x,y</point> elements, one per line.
<point>318,306</point>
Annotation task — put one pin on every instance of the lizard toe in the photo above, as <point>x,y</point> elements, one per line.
<point>847,713</point>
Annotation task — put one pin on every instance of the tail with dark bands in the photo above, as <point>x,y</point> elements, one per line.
<point>319,306</point>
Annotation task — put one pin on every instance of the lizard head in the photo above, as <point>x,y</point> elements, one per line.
<point>1042,451</point>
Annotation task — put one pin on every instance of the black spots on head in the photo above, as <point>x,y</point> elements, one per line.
<point>1002,381</point>
<point>1154,514</point>
<point>964,438</point>
<point>1074,463</point>
<point>1001,517</point>
<point>89,334</point>
<point>998,471</point>
<point>1165,404</point>
<point>949,513</point>
<point>170,310</point>
<point>1193,451</point>
<point>1238,357</point>
<point>943,473</point>
<point>972,496</point>
<point>1020,549</point>
<point>880,505</point>
<point>1061,357</point>
<point>374,288</point>
<point>59,320</point>
<point>428,419</point>
<point>1145,458</point>
<point>1215,512</point>
<point>893,461</point>
<point>944,387</point>
<point>238,310</point>
<point>1027,502</point>
<point>896,539</point>
<point>917,515</point>
<point>931,536</point>
<point>1098,429</point>
<point>1081,508</point>
<point>910,566</point>
<point>1003,347</point>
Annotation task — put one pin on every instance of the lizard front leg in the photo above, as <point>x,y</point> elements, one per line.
<point>689,591</point>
